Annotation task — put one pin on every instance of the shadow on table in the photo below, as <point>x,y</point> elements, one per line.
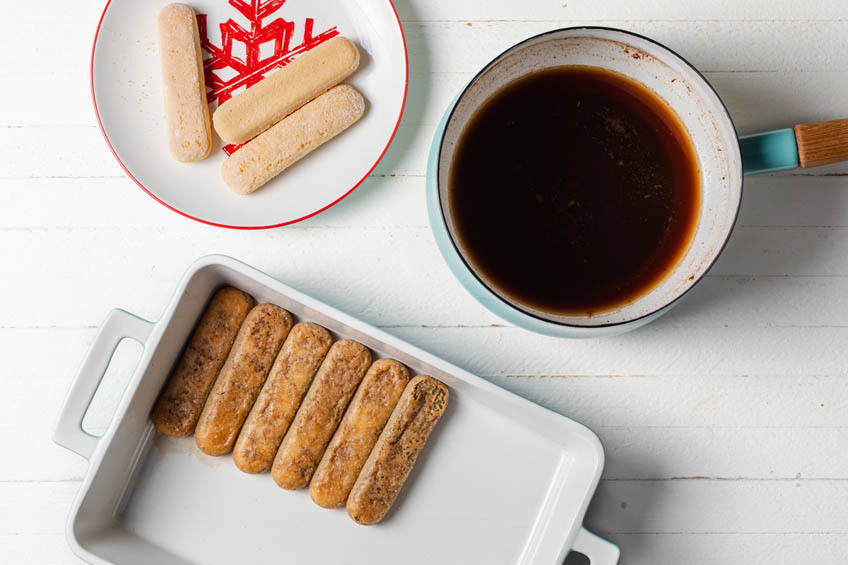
<point>617,508</point>
<point>768,243</point>
<point>757,248</point>
<point>764,242</point>
<point>575,558</point>
<point>418,90</point>
<point>418,93</point>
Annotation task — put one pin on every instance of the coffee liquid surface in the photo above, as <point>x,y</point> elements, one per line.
<point>574,190</point>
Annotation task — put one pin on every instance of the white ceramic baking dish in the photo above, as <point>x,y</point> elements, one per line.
<point>502,480</point>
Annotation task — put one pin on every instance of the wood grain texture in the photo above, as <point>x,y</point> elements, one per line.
<point>822,143</point>
<point>707,416</point>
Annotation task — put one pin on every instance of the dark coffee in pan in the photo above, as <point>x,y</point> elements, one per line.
<point>574,190</point>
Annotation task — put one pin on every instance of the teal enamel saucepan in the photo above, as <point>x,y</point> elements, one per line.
<point>723,161</point>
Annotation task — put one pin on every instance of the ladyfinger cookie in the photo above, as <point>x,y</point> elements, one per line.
<point>178,408</point>
<point>292,139</point>
<point>240,380</point>
<point>249,113</point>
<point>365,418</point>
<point>282,393</point>
<point>186,111</point>
<point>320,413</point>
<point>422,404</point>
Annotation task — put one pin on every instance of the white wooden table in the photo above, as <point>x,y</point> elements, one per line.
<point>725,423</point>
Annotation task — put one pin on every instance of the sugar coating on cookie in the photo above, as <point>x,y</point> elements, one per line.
<point>187,123</point>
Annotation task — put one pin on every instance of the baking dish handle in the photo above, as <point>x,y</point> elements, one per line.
<point>68,431</point>
<point>598,550</point>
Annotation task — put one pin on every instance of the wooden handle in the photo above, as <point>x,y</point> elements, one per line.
<point>821,143</point>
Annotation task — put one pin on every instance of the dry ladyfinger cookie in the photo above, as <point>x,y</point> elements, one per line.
<point>240,380</point>
<point>365,418</point>
<point>249,113</point>
<point>281,394</point>
<point>320,413</point>
<point>178,408</point>
<point>291,139</point>
<point>419,409</point>
<point>186,111</point>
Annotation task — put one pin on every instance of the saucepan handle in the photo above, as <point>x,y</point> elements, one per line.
<point>598,550</point>
<point>68,431</point>
<point>805,145</point>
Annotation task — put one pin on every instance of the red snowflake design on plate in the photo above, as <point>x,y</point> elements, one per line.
<point>254,67</point>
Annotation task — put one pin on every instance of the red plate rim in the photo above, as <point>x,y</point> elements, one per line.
<point>207,222</point>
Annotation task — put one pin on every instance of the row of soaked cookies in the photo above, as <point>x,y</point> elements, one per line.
<point>284,397</point>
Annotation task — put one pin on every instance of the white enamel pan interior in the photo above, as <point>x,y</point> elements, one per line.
<point>502,480</point>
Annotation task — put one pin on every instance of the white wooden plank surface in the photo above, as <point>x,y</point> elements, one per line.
<point>724,422</point>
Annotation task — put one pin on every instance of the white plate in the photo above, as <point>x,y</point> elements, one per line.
<point>126,88</point>
<point>502,480</point>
